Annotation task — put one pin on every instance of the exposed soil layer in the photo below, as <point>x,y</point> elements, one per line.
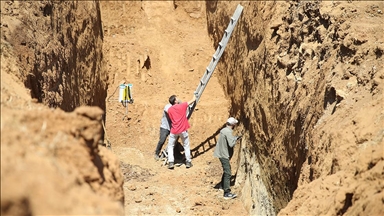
<point>305,79</point>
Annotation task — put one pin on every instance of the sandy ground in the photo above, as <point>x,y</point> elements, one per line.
<point>178,55</point>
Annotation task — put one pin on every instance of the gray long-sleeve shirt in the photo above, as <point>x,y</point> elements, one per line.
<point>165,121</point>
<point>225,144</point>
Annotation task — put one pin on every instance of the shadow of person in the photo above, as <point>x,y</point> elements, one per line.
<point>232,182</point>
<point>178,153</point>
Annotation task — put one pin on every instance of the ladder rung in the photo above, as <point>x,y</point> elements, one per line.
<point>202,82</point>
<point>232,20</point>
<point>226,31</point>
<point>208,70</point>
<point>220,44</point>
<point>214,57</point>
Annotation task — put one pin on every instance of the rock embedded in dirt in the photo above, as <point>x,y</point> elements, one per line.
<point>132,187</point>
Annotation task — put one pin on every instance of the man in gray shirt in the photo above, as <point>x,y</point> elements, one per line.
<point>224,151</point>
<point>165,127</point>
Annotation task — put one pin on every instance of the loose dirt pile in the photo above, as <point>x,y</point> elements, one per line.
<point>51,161</point>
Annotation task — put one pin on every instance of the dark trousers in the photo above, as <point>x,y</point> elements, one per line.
<point>226,177</point>
<point>163,136</point>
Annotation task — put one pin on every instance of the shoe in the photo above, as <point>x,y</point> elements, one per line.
<point>229,195</point>
<point>188,164</point>
<point>157,157</point>
<point>171,165</point>
<point>221,189</point>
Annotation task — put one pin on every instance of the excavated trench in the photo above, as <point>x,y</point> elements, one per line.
<point>277,73</point>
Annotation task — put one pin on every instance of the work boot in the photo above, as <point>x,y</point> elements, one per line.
<point>188,164</point>
<point>171,165</point>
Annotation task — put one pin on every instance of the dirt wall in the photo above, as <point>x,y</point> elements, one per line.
<point>59,49</point>
<point>52,161</point>
<point>49,166</point>
<point>306,81</point>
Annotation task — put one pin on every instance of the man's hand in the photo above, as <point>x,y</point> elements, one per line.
<point>193,100</point>
<point>239,137</point>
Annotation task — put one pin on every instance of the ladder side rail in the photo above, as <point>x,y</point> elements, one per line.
<point>200,86</point>
<point>215,59</point>
<point>214,62</point>
<point>222,46</point>
<point>203,80</point>
<point>224,40</point>
<point>228,32</point>
<point>212,65</point>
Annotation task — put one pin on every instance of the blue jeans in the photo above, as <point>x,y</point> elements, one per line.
<point>226,177</point>
<point>163,136</point>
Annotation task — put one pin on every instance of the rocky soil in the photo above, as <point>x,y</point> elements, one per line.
<point>305,79</point>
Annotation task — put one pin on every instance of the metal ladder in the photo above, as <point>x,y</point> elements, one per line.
<point>215,59</point>
<point>211,67</point>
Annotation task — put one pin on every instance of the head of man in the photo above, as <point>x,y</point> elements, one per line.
<point>173,100</point>
<point>232,121</point>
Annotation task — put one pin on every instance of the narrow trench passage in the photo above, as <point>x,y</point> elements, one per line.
<point>149,45</point>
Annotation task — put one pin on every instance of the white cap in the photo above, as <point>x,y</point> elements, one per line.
<point>232,121</point>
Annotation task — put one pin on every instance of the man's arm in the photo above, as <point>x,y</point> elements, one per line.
<point>231,139</point>
<point>193,100</point>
